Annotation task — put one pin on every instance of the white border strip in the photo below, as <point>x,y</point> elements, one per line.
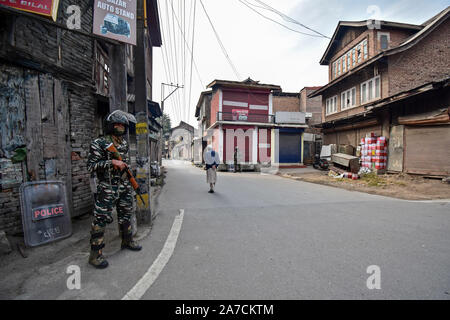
<point>141,287</point>
<point>235,103</point>
<point>258,107</point>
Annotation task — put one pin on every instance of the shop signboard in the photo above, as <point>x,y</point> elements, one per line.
<point>48,8</point>
<point>115,19</point>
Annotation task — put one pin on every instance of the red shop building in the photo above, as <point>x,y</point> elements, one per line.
<point>241,115</point>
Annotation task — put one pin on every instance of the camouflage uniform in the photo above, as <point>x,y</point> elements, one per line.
<point>114,189</point>
<point>120,192</point>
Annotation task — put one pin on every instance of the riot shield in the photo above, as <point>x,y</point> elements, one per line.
<point>45,212</point>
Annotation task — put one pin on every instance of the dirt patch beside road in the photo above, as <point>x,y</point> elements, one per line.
<point>400,186</point>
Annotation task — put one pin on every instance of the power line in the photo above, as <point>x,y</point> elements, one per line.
<point>220,43</point>
<point>174,41</point>
<point>289,19</point>
<point>195,65</point>
<point>284,26</point>
<point>192,58</point>
<point>174,103</point>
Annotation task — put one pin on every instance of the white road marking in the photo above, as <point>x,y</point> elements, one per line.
<point>431,201</point>
<point>158,265</point>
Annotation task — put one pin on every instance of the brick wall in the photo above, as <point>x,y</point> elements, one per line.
<point>285,103</point>
<point>82,114</point>
<point>427,61</point>
<point>312,105</point>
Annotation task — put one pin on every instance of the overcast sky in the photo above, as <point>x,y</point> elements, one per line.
<point>258,48</point>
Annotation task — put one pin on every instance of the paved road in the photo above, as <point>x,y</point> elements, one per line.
<point>267,237</point>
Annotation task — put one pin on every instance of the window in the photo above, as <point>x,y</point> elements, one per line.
<point>353,96</point>
<point>353,57</point>
<point>359,53</point>
<point>383,42</point>
<point>331,105</point>
<point>364,93</point>
<point>384,39</point>
<point>377,87</point>
<point>365,49</point>
<point>348,98</point>
<point>348,61</point>
<point>356,55</point>
<point>370,90</point>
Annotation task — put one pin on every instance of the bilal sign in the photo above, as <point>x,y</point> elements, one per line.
<point>48,8</point>
<point>115,19</point>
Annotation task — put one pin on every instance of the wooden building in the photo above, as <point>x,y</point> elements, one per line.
<point>56,87</point>
<point>391,79</point>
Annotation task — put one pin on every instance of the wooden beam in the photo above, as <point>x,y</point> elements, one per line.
<point>33,127</point>
<point>363,124</point>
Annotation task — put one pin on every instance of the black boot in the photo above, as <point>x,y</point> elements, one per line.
<point>96,257</point>
<point>127,238</point>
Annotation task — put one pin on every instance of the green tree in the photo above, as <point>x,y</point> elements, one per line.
<point>166,124</point>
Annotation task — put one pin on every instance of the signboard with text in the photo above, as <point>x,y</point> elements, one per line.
<point>240,114</point>
<point>48,8</point>
<point>115,19</point>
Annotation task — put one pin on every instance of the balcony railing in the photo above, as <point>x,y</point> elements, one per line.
<point>245,117</point>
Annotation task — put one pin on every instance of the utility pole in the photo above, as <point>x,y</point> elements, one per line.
<point>143,210</point>
<point>118,88</point>
<point>162,92</point>
<point>162,108</point>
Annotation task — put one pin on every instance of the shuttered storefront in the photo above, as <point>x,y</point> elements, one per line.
<point>290,142</point>
<point>427,150</point>
<point>351,137</point>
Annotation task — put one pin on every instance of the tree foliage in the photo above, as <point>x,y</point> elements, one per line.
<point>166,123</point>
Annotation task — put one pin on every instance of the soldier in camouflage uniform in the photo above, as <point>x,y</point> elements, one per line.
<point>114,188</point>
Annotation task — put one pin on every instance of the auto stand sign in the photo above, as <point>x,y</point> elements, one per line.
<point>115,19</point>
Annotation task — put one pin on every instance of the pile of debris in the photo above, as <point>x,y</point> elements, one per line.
<point>346,162</point>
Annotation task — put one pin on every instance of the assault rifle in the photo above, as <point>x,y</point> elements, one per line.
<point>111,148</point>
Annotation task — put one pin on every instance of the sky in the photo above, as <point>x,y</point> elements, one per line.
<point>255,46</point>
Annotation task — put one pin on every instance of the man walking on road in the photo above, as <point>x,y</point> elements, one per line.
<point>114,188</point>
<point>236,160</point>
<point>212,161</point>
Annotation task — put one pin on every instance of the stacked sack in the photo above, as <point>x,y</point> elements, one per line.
<point>373,152</point>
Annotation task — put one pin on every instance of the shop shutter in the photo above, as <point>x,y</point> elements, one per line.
<point>427,150</point>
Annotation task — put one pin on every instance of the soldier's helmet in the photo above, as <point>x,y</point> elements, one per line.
<point>119,116</point>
